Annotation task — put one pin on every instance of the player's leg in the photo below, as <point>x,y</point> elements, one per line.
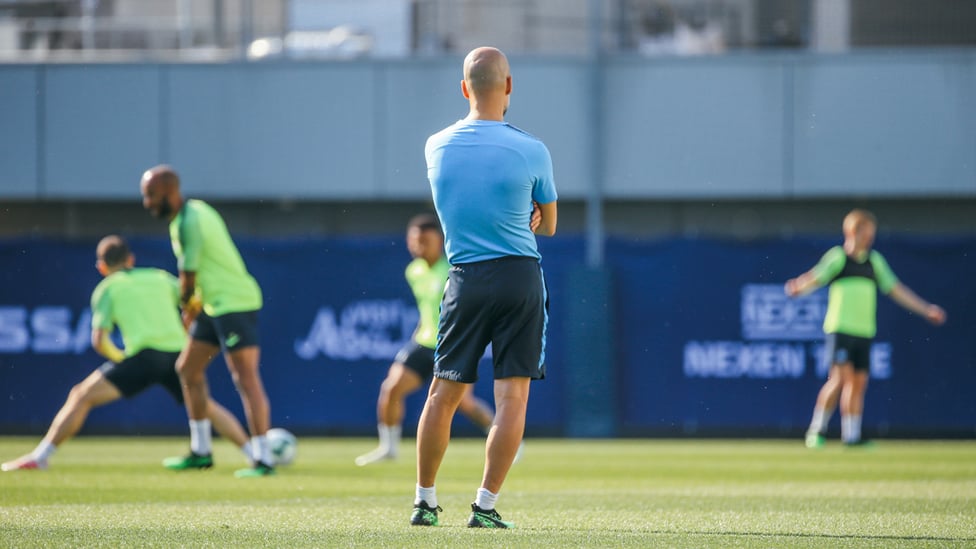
<point>238,334</point>
<point>191,366</point>
<point>434,428</point>
<point>847,386</point>
<point>824,408</point>
<point>400,381</point>
<point>227,426</point>
<point>161,366</point>
<point>852,397</point>
<point>518,348</point>
<point>95,390</point>
<point>859,385</point>
<point>244,369</point>
<point>511,401</point>
<point>433,436</point>
<point>243,364</point>
<point>853,400</point>
<point>476,410</point>
<point>481,414</point>
<point>501,449</point>
<point>463,334</point>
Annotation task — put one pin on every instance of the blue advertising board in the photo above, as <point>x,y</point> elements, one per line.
<point>703,340</point>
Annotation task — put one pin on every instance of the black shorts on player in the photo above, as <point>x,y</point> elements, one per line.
<point>418,358</point>
<point>843,348</point>
<point>143,369</point>
<point>230,331</point>
<point>501,301</point>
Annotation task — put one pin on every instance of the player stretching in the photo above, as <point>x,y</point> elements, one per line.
<point>493,189</point>
<point>414,364</point>
<point>855,273</point>
<point>143,303</point>
<point>212,275</point>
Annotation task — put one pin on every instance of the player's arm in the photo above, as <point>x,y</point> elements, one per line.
<point>189,302</point>
<point>822,273</point>
<point>544,194</point>
<point>543,220</point>
<point>802,285</point>
<point>904,296</point>
<point>102,343</point>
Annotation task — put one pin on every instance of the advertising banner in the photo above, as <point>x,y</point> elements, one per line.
<point>704,341</point>
<point>709,344</point>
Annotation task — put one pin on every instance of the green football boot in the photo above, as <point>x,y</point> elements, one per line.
<point>189,461</point>
<point>480,518</point>
<point>260,469</point>
<point>815,441</point>
<point>424,515</point>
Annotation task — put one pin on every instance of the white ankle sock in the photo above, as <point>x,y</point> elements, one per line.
<point>44,450</point>
<point>200,436</point>
<point>428,495</point>
<point>485,499</point>
<point>261,450</point>
<point>850,428</point>
<point>393,442</point>
<point>821,418</point>
<point>248,451</point>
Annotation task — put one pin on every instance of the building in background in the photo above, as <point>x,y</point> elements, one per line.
<point>733,137</point>
<point>229,29</point>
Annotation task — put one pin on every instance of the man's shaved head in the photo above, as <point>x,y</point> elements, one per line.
<point>160,187</point>
<point>161,177</point>
<point>486,70</point>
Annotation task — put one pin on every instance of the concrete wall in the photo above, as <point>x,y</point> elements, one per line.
<point>737,127</point>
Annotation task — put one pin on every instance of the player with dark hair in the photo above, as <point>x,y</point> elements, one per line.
<point>855,274</point>
<point>414,364</point>
<point>493,190</point>
<point>220,301</point>
<point>143,303</point>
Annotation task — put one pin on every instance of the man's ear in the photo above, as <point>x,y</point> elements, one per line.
<point>464,90</point>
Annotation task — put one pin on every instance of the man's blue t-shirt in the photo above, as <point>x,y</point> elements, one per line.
<point>484,176</point>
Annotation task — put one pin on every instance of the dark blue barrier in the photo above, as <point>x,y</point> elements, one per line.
<point>709,344</point>
<point>704,341</point>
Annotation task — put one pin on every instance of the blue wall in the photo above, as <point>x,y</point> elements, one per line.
<point>883,124</point>
<point>704,340</point>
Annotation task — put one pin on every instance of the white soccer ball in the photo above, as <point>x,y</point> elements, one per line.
<point>283,445</point>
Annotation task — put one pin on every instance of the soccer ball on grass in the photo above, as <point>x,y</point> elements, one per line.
<point>283,445</point>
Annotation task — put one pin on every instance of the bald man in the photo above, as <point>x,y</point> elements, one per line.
<point>494,190</point>
<point>220,302</point>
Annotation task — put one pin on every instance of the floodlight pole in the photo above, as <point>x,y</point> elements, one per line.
<point>590,368</point>
<point>594,196</point>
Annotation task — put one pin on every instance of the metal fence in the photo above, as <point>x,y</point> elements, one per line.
<point>54,30</point>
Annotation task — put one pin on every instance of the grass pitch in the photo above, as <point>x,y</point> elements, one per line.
<point>112,492</point>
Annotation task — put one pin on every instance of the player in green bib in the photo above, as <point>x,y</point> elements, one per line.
<point>855,274</point>
<point>220,301</point>
<point>414,364</point>
<point>143,304</point>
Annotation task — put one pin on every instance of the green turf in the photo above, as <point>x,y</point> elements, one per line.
<point>112,492</point>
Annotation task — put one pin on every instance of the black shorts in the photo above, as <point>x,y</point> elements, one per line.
<point>418,358</point>
<point>841,348</point>
<point>503,302</point>
<point>147,367</point>
<point>229,332</point>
